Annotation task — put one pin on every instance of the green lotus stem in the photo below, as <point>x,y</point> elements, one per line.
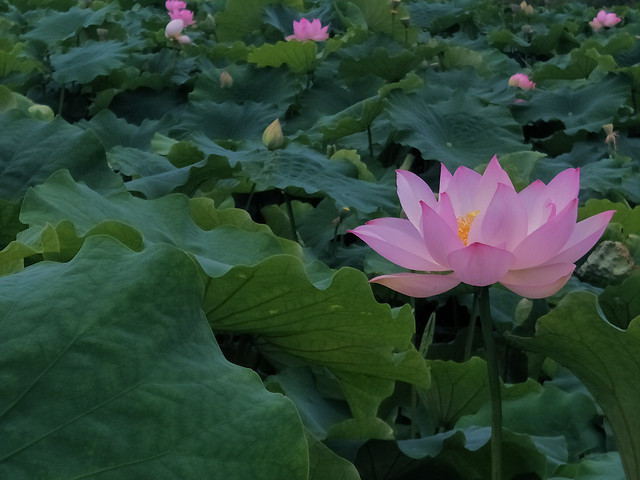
<point>486,324</point>
<point>370,141</point>
<point>61,100</point>
<point>472,327</point>
<point>292,220</point>
<point>251,192</point>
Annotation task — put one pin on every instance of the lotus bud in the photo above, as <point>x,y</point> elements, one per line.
<point>41,112</point>
<point>272,137</point>
<point>173,28</point>
<point>226,80</point>
<point>184,40</point>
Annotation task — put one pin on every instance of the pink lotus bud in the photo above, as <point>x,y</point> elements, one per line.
<point>175,5</point>
<point>173,28</point>
<point>306,30</point>
<point>522,81</point>
<point>184,40</point>
<point>272,137</point>
<point>226,80</point>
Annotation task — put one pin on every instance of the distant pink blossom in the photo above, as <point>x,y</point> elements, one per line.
<point>604,19</point>
<point>185,15</point>
<point>175,5</point>
<point>306,30</point>
<point>480,231</point>
<point>521,80</point>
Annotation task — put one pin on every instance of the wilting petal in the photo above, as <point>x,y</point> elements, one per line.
<point>438,237</point>
<point>504,223</point>
<point>397,240</point>
<point>538,282</point>
<point>417,284</point>
<point>545,242</point>
<point>585,235</point>
<point>480,265</point>
<point>411,191</point>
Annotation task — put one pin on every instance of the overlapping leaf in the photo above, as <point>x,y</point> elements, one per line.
<point>92,386</point>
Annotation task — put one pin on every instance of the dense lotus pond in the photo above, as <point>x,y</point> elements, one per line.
<point>350,239</point>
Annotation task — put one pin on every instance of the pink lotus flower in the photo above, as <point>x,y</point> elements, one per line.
<point>480,231</point>
<point>522,81</point>
<point>185,15</point>
<point>604,19</point>
<point>306,30</point>
<point>175,5</point>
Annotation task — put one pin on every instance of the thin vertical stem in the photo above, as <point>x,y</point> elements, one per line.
<point>292,220</point>
<point>472,327</point>
<point>486,324</point>
<point>370,141</point>
<point>61,100</point>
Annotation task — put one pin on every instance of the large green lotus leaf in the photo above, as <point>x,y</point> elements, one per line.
<point>165,220</point>
<point>57,26</point>
<point>378,18</point>
<point>29,159</point>
<point>621,303</point>
<point>465,453</point>
<point>277,85</point>
<point>300,168</point>
<point>300,57</point>
<point>392,66</point>
<point>604,466</point>
<point>228,120</point>
<point>547,412</point>
<point>354,119</point>
<point>110,370</point>
<point>241,18</point>
<point>16,70</point>
<point>324,464</point>
<point>114,131</point>
<point>585,108</point>
<point>460,131</point>
<point>456,389</point>
<point>336,324</point>
<point>83,64</point>
<point>605,358</point>
<point>31,150</point>
<point>440,16</point>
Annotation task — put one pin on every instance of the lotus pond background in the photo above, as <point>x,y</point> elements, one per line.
<point>179,301</point>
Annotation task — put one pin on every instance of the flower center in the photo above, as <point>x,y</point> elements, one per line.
<point>464,224</point>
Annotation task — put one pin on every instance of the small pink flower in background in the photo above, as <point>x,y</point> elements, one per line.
<point>177,10</point>
<point>306,30</point>
<point>480,231</point>
<point>521,80</point>
<point>175,5</point>
<point>185,15</point>
<point>604,19</point>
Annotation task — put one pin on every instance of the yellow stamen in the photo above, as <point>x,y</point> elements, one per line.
<point>464,224</point>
